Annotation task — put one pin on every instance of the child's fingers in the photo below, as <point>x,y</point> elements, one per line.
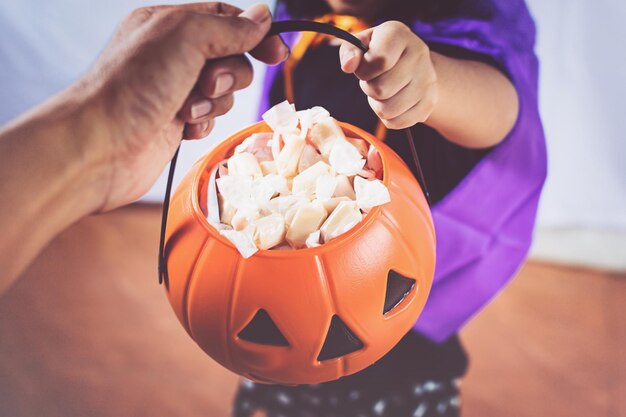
<point>398,104</point>
<point>386,45</point>
<point>349,55</point>
<point>391,82</point>
<point>419,113</point>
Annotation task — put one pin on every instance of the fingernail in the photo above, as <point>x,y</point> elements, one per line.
<point>346,56</point>
<point>201,108</point>
<point>223,83</point>
<point>257,13</point>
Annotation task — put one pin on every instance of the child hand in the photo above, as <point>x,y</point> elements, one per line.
<point>397,74</point>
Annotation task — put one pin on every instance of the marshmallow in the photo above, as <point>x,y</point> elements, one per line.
<point>370,193</point>
<point>343,218</point>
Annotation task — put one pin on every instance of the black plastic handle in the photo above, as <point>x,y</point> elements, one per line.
<point>276,29</point>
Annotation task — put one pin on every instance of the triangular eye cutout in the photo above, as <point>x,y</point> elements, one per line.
<point>339,341</point>
<point>263,330</point>
<point>398,287</point>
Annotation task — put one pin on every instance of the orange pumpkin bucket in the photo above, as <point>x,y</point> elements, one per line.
<point>306,315</point>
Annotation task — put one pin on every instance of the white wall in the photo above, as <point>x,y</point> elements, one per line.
<point>45,45</point>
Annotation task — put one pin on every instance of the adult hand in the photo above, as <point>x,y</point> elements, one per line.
<point>167,73</point>
<point>102,143</point>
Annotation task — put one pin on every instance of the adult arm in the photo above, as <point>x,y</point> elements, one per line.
<point>167,73</point>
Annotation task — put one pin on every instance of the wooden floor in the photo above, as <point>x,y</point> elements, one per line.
<point>88,332</point>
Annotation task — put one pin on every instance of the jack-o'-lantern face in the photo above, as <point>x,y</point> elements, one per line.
<point>308,315</point>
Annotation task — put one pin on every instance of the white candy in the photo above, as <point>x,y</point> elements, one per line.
<point>258,145</point>
<point>282,118</point>
<point>283,203</point>
<point>325,186</point>
<point>244,217</point>
<point>237,190</point>
<point>332,204</point>
<point>311,116</point>
<point>243,241</point>
<point>370,193</point>
<point>345,158</point>
<point>244,163</point>
<point>287,162</point>
<point>313,240</point>
<point>276,144</point>
<point>360,144</point>
<point>305,182</point>
<point>227,211</point>
<point>270,231</point>
<point>267,187</point>
<point>343,218</point>
<point>213,204</point>
<point>325,133</point>
<point>268,167</point>
<point>308,158</point>
<point>344,188</point>
<point>301,185</point>
<point>306,220</point>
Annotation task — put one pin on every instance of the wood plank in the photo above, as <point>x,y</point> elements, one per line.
<point>548,346</point>
<point>89,332</point>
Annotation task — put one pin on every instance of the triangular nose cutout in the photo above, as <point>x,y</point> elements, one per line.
<point>398,287</point>
<point>339,341</point>
<point>263,330</point>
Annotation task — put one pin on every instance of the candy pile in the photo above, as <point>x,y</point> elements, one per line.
<point>299,186</point>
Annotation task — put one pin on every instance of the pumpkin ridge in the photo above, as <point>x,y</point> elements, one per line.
<point>391,223</point>
<point>426,216</point>
<point>321,268</point>
<point>190,280</point>
<point>234,285</point>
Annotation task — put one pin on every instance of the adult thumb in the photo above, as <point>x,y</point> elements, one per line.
<point>218,36</point>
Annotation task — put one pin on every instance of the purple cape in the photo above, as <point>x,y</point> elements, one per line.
<point>484,226</point>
